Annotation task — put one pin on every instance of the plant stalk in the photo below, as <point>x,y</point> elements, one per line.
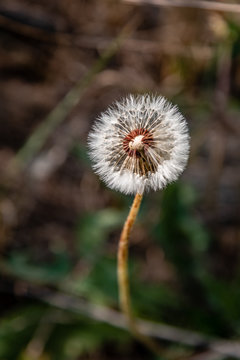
<point>123,278</point>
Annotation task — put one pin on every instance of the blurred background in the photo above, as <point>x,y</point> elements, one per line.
<point>61,64</point>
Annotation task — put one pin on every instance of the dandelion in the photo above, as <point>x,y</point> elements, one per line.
<point>137,145</point>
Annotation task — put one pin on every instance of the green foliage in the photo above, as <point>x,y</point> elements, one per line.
<point>67,337</point>
<point>92,233</point>
<point>199,298</point>
<point>16,330</point>
<point>68,341</point>
<point>186,244</point>
<point>179,232</point>
<point>93,230</point>
<point>22,265</point>
<point>99,284</point>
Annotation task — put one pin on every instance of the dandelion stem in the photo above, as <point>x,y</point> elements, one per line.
<point>123,281</point>
<point>123,278</point>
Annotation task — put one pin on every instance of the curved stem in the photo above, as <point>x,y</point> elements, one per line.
<point>123,279</point>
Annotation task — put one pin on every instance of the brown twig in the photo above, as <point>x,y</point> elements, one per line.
<point>199,4</point>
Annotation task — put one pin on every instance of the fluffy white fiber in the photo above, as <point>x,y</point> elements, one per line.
<point>138,144</point>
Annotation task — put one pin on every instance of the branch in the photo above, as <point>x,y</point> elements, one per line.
<point>156,330</point>
<point>199,4</point>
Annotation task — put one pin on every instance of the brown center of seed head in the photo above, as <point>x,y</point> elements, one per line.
<point>136,141</point>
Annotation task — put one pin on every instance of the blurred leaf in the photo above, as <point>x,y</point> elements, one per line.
<point>155,301</point>
<point>225,297</point>
<point>100,284</point>
<point>21,265</point>
<point>183,238</point>
<point>93,231</point>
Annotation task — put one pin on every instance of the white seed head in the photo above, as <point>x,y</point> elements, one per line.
<point>140,143</point>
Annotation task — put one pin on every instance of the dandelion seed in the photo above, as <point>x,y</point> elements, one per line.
<point>139,144</point>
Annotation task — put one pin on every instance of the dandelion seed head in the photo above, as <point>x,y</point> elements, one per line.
<point>140,143</point>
